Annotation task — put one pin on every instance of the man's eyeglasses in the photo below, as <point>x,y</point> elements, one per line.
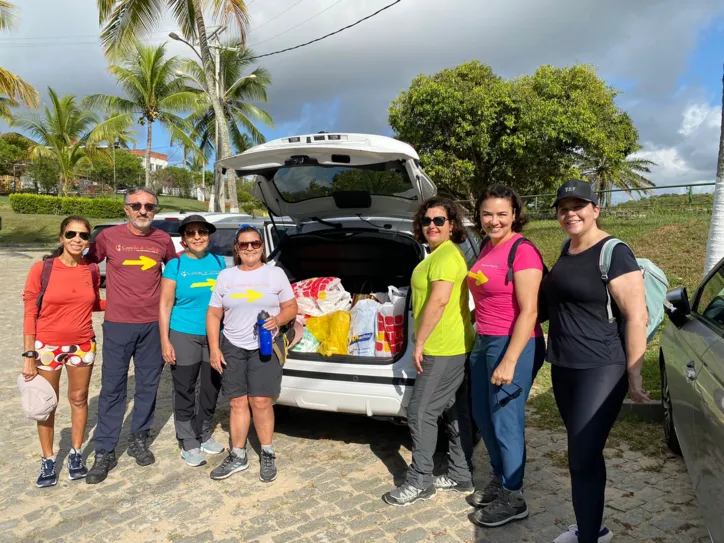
<point>70,234</point>
<point>137,207</point>
<point>244,245</point>
<point>437,221</point>
<point>508,397</point>
<point>191,232</point>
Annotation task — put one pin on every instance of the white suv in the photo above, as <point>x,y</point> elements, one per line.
<point>352,197</point>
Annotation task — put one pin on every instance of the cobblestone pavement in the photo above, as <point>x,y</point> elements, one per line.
<point>333,470</point>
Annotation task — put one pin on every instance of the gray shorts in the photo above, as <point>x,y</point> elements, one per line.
<point>247,373</point>
<point>190,349</point>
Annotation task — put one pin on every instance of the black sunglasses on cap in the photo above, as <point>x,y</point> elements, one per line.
<point>70,234</point>
<point>137,207</point>
<point>437,221</point>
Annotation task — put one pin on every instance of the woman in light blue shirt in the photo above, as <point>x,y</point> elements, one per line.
<point>186,288</point>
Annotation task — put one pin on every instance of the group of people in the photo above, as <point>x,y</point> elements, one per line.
<point>196,315</point>
<point>203,320</point>
<point>595,358</point>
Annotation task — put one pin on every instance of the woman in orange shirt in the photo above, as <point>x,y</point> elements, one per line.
<point>58,331</point>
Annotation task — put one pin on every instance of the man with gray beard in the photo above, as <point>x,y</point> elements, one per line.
<point>133,252</point>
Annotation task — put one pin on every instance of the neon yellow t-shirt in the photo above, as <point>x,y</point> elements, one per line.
<point>454,334</point>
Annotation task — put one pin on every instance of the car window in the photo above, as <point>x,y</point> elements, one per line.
<point>170,227</point>
<point>222,242</point>
<point>470,247</point>
<point>710,303</point>
<point>276,232</point>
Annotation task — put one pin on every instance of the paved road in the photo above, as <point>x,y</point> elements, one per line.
<point>333,470</point>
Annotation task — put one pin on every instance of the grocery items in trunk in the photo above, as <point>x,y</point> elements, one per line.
<point>363,327</point>
<point>391,323</point>
<point>308,343</point>
<point>332,332</point>
<point>321,296</point>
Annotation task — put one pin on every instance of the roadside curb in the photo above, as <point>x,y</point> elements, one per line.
<point>651,410</point>
<point>32,247</point>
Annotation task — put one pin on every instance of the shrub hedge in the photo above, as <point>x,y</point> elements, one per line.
<point>92,208</point>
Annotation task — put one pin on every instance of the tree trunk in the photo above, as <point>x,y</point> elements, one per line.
<point>715,245</point>
<point>210,77</point>
<point>148,153</point>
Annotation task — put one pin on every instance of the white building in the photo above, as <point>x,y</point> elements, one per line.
<point>158,160</point>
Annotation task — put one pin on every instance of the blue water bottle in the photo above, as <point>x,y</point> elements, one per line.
<point>265,336</point>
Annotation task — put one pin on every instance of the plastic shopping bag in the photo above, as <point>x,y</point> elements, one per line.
<point>363,328</point>
<point>332,332</point>
<point>320,296</point>
<point>308,343</point>
<point>391,324</point>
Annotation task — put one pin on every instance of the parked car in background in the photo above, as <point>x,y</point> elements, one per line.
<point>692,390</point>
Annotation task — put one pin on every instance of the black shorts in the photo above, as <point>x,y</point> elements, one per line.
<point>247,373</point>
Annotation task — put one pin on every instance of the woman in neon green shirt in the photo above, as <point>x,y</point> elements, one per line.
<point>443,338</point>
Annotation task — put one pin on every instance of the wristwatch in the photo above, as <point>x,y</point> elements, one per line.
<point>30,354</point>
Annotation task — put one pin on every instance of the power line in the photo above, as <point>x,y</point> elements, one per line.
<point>277,16</point>
<point>296,26</point>
<point>388,6</point>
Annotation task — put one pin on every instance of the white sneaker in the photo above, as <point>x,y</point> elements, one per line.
<point>571,536</point>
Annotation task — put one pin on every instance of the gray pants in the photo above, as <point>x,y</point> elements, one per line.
<point>438,391</point>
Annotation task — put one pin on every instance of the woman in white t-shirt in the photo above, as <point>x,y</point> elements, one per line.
<point>249,379</point>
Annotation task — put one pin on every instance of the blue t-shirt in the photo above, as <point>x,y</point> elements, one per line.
<point>195,281</point>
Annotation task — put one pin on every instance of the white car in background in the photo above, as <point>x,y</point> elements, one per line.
<point>352,198</point>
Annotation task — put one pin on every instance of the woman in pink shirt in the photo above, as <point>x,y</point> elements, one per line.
<point>509,349</point>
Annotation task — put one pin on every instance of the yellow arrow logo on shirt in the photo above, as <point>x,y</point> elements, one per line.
<point>479,277</point>
<point>250,295</point>
<point>208,283</point>
<point>143,261</point>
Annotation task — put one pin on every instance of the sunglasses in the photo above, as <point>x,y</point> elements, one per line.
<point>70,234</point>
<point>244,245</point>
<point>437,221</point>
<point>508,397</point>
<point>137,207</point>
<point>191,232</point>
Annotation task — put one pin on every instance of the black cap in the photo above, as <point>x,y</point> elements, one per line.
<point>195,219</point>
<point>575,188</point>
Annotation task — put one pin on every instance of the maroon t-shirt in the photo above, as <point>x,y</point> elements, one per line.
<point>133,272</point>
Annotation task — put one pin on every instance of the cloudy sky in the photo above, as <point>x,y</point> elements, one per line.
<point>665,55</point>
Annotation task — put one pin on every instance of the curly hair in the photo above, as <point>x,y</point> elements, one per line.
<point>505,193</point>
<point>454,215</point>
<point>63,226</point>
<point>235,249</point>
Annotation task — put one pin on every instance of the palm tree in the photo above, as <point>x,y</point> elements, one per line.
<point>715,243</point>
<point>625,173</point>
<point>12,86</point>
<point>64,134</point>
<point>125,20</point>
<point>236,91</point>
<point>154,93</point>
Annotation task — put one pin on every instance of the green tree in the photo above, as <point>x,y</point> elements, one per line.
<point>128,170</point>
<point>65,134</point>
<point>45,174</point>
<point>10,155</point>
<point>174,177</point>
<point>16,90</point>
<point>153,93</point>
<point>472,128</point>
<point>126,20</point>
<point>616,173</point>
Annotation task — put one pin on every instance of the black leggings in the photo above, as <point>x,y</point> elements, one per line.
<point>589,401</point>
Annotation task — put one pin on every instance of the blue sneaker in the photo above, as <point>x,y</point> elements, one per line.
<point>211,446</point>
<point>76,466</point>
<point>48,476</point>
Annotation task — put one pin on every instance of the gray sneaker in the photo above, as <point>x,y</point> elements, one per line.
<point>446,484</point>
<point>406,494</point>
<point>230,465</point>
<point>486,496</point>
<point>194,457</point>
<point>507,507</point>
<point>267,466</point>
<point>211,446</point>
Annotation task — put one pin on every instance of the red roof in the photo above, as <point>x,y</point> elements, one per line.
<point>142,154</point>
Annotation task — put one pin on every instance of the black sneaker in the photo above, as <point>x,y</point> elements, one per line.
<point>447,484</point>
<point>76,466</point>
<point>486,496</point>
<point>138,449</point>
<point>507,507</point>
<point>406,494</point>
<point>267,466</point>
<point>103,463</point>
<point>48,476</point>
<point>230,466</point>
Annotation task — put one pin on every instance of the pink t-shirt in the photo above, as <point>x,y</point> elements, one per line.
<point>496,307</point>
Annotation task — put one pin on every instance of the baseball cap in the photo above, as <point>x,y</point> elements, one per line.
<point>574,188</point>
<point>37,397</point>
<point>195,219</point>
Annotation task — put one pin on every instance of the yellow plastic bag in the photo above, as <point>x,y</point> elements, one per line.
<point>331,331</point>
